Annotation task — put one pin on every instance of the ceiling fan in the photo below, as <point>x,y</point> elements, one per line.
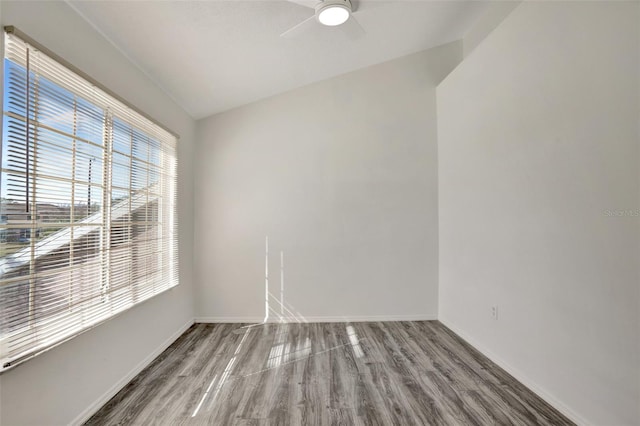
<point>330,13</point>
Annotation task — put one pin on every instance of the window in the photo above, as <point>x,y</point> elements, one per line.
<point>88,223</point>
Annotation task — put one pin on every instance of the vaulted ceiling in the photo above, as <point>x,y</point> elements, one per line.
<point>211,56</point>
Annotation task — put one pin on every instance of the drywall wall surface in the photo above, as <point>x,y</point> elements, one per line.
<point>495,13</point>
<point>638,264</point>
<point>66,384</point>
<point>341,177</point>
<point>538,203</point>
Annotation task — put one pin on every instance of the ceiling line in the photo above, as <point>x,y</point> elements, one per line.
<point>130,59</point>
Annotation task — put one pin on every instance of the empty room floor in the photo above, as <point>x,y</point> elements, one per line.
<point>382,373</point>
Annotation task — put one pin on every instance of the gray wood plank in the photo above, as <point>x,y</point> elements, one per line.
<point>396,373</point>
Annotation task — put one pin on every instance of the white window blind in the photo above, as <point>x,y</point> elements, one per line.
<point>87,209</point>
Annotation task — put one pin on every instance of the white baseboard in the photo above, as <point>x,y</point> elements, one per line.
<point>97,404</point>
<point>518,375</point>
<point>276,319</point>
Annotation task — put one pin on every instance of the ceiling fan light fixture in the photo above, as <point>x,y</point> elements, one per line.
<point>333,15</point>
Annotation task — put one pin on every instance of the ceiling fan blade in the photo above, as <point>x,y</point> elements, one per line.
<point>306,3</point>
<point>300,28</point>
<point>352,28</point>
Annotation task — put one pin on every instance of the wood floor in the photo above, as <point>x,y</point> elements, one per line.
<point>395,373</point>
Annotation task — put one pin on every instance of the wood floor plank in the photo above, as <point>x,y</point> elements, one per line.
<point>399,373</point>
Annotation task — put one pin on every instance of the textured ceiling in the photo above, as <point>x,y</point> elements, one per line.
<point>211,56</point>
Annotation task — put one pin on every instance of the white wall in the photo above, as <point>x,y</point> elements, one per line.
<point>494,14</point>
<point>538,146</point>
<point>67,383</point>
<point>341,176</point>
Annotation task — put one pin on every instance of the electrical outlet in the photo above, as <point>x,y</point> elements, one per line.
<point>494,312</point>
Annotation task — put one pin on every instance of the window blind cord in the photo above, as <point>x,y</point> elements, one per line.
<point>28,125</point>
